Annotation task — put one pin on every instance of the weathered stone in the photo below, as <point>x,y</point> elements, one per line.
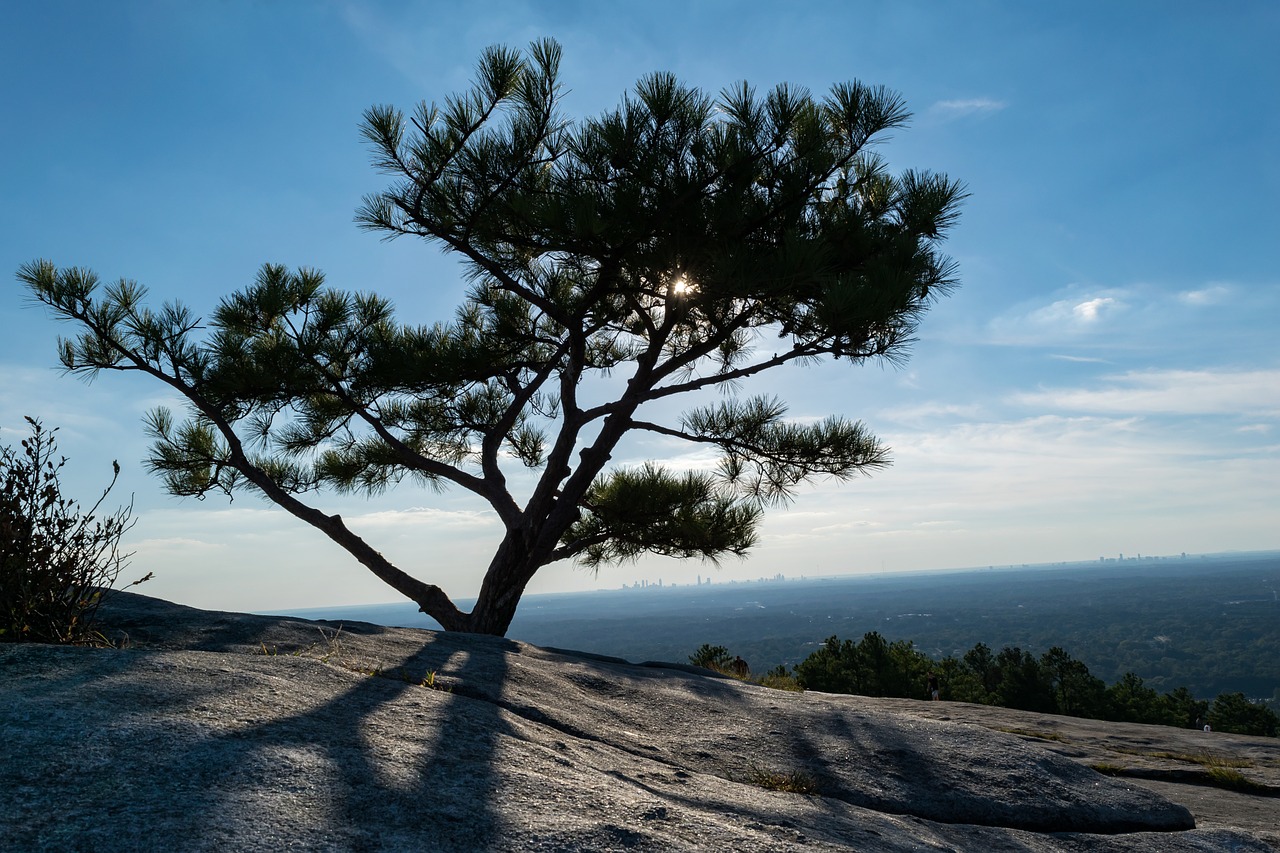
<point>217,731</point>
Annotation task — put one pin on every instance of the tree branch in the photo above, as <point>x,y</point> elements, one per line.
<point>430,598</point>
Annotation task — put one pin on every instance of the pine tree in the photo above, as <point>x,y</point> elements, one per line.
<point>682,242</point>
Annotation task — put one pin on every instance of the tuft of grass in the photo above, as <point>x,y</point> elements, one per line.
<point>428,681</point>
<point>787,781</point>
<point>775,681</point>
<point>1234,780</point>
<point>1037,735</point>
<point>121,640</point>
<point>331,647</point>
<point>1218,772</point>
<point>1211,761</point>
<point>1204,759</point>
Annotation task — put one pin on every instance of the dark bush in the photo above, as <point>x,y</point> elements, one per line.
<point>712,657</point>
<point>56,562</point>
<point>1232,712</point>
<point>871,667</point>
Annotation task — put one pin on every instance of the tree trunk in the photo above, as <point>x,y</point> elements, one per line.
<point>509,572</point>
<point>492,617</point>
<point>527,546</point>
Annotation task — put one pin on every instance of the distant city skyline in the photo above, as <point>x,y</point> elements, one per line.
<point>1104,381</point>
<point>699,580</point>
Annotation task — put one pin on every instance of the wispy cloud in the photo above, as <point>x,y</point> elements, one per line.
<point>425,518</point>
<point>1147,315</point>
<point>1177,392</point>
<point>1076,313</point>
<point>967,107</point>
<point>1082,359</point>
<point>1068,317</point>
<point>1069,483</point>
<point>174,543</point>
<point>403,38</point>
<point>1091,310</point>
<point>932,412</point>
<point>1213,294</point>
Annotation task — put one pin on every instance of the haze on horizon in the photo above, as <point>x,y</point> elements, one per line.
<point>1105,380</point>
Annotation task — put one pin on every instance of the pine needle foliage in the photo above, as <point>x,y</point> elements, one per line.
<point>680,243</point>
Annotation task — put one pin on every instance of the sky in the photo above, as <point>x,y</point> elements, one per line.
<point>1105,380</point>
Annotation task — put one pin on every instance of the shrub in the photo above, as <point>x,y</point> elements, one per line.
<point>1232,712</point>
<point>712,657</point>
<point>55,560</point>
<point>871,667</point>
<point>787,781</point>
<point>779,679</point>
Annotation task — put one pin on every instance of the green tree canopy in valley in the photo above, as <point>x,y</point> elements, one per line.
<point>680,242</point>
<point>1055,683</point>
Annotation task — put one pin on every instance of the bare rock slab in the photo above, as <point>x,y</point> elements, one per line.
<point>218,731</point>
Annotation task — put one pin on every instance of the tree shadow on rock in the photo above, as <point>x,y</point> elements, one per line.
<point>383,763</point>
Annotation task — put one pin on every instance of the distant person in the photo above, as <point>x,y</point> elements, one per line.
<point>1207,728</point>
<point>740,667</point>
<point>934,695</point>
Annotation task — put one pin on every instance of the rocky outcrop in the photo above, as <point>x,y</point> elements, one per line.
<point>220,731</point>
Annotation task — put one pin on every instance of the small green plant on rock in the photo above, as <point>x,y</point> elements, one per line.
<point>787,781</point>
<point>779,679</point>
<point>56,560</point>
<point>428,681</point>
<point>1233,780</point>
<point>325,649</point>
<point>1108,769</point>
<point>1202,758</point>
<point>1034,734</point>
<point>718,659</point>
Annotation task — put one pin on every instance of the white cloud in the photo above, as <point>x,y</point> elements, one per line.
<point>925,412</point>
<point>1033,489</point>
<point>1214,294</point>
<point>1080,359</point>
<point>424,518</point>
<point>1089,311</point>
<point>1075,313</point>
<point>842,527</point>
<point>1147,315</point>
<point>174,543</point>
<point>967,106</point>
<point>1066,318</point>
<point>1178,392</point>
<point>673,454</point>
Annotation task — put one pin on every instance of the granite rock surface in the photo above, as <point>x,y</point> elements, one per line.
<point>225,731</point>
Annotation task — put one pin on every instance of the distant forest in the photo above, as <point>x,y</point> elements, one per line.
<point>1209,624</point>
<point>1054,683</point>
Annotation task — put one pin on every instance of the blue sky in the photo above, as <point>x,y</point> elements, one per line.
<point>1106,380</point>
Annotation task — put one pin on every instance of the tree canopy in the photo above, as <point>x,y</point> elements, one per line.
<point>680,243</point>
<point>1055,683</point>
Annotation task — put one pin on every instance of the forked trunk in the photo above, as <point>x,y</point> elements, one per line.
<point>493,617</point>
<point>509,572</point>
<point>526,547</point>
